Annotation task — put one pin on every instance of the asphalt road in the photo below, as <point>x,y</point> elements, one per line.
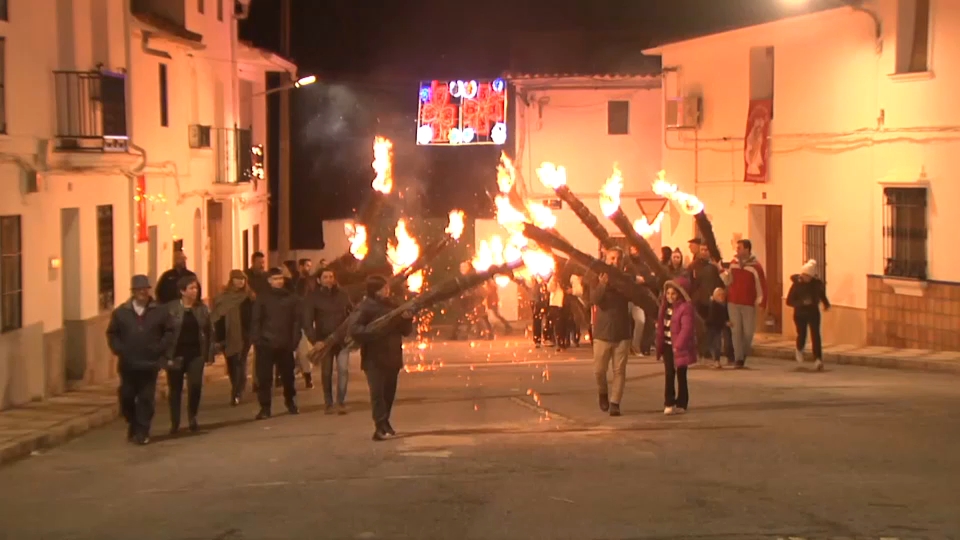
<point>499,441</point>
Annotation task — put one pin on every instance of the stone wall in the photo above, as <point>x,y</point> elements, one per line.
<point>913,314</point>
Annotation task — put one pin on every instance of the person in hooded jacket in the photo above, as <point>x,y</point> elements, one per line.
<point>231,315</point>
<point>676,343</point>
<point>806,293</point>
<point>275,331</point>
<point>381,352</point>
<point>325,309</point>
<point>139,333</point>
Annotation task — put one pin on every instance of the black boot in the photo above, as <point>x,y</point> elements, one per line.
<point>263,414</point>
<point>308,379</point>
<point>292,407</point>
<point>388,429</point>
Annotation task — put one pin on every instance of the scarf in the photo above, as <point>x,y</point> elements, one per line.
<point>227,306</point>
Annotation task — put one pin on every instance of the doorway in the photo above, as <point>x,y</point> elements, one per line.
<point>215,270</point>
<point>766,232</point>
<point>153,237</point>
<point>246,248</point>
<point>74,340</point>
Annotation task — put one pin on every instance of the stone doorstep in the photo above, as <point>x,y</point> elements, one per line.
<point>23,446</point>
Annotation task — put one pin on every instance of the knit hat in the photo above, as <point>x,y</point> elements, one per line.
<point>237,274</point>
<point>809,268</point>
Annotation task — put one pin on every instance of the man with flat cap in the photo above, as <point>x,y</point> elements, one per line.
<point>139,333</point>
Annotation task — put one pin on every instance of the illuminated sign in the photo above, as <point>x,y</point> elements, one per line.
<point>462,112</point>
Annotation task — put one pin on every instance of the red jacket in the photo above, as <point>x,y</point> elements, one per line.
<point>746,283</point>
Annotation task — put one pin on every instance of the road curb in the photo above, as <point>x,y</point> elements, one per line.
<point>884,362</point>
<point>58,434</point>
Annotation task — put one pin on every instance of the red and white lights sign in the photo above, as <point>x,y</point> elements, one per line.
<point>462,112</point>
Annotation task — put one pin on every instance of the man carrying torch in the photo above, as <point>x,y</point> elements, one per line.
<point>611,336</point>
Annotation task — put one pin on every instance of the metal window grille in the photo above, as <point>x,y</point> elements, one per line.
<point>905,232</point>
<point>815,247</point>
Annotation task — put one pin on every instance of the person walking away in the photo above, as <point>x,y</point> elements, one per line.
<point>168,286</point>
<point>746,290</point>
<point>611,337</point>
<point>325,309</point>
<point>676,344</point>
<point>231,316</point>
<point>306,281</point>
<point>555,313</point>
<point>139,333</point>
<point>191,350</point>
<point>275,331</point>
<point>718,326</point>
<point>381,352</point>
<point>807,292</point>
<point>493,305</point>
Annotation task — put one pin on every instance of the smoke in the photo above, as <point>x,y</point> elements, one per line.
<point>332,117</point>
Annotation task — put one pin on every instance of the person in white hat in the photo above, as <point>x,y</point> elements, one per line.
<point>807,292</point>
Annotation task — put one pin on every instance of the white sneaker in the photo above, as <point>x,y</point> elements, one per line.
<point>818,364</point>
<point>799,356</point>
<point>669,411</point>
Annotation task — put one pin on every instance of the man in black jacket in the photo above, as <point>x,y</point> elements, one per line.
<point>325,309</point>
<point>381,352</point>
<point>611,336</point>
<point>257,274</point>
<point>275,330</point>
<point>168,288</point>
<point>139,334</point>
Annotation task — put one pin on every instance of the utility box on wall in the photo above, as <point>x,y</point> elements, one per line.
<point>684,112</point>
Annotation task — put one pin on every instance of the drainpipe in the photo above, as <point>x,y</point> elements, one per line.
<point>132,174</point>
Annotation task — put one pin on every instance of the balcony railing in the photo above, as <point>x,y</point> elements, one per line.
<point>91,111</point>
<point>234,155</point>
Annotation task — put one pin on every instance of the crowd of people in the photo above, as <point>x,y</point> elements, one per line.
<point>281,319</point>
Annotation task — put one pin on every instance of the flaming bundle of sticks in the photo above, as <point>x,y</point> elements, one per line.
<point>692,206</point>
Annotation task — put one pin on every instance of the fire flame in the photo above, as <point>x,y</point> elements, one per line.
<point>542,216</point>
<point>383,164</point>
<point>646,229</point>
<point>506,174</point>
<point>610,192</point>
<point>483,259</point>
<point>357,235</point>
<point>552,176</point>
<point>455,226</point>
<point>517,247</point>
<point>402,253</point>
<point>690,204</point>
<point>497,248</point>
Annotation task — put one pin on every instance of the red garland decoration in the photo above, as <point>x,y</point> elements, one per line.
<point>438,113</point>
<point>483,111</point>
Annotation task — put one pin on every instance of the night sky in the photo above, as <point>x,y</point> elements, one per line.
<point>370,56</point>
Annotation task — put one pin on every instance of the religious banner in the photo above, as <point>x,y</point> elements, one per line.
<point>141,199</point>
<point>756,144</point>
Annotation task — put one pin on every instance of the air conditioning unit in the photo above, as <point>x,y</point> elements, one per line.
<point>199,136</point>
<point>684,112</point>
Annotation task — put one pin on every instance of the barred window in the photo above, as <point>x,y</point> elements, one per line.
<point>105,287</point>
<point>815,247</point>
<point>905,232</point>
<point>11,274</point>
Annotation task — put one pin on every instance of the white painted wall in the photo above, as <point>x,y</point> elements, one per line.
<point>829,161</point>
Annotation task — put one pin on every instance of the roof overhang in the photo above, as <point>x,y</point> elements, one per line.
<point>269,60</point>
<point>582,82</point>
<point>165,30</point>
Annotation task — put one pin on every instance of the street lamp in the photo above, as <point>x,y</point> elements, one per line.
<point>304,81</point>
<point>299,83</point>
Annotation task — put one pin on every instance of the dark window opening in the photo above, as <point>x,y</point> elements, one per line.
<point>105,272</point>
<point>164,107</point>
<point>11,274</point>
<point>905,232</point>
<point>815,247</point>
<point>618,117</point>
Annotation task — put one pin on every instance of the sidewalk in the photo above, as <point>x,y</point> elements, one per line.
<point>54,421</point>
<point>776,346</point>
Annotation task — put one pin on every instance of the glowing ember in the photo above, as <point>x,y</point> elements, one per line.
<point>455,226</point>
<point>506,174</point>
<point>690,204</point>
<point>610,193</point>
<point>496,250</point>
<point>646,229</point>
<point>357,234</point>
<point>402,253</point>
<point>383,164</point>
<point>542,216</point>
<point>552,176</point>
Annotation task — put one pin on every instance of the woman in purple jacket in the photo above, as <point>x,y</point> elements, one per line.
<point>676,343</point>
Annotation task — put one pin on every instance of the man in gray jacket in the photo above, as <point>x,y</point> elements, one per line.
<point>611,336</point>
<point>139,334</point>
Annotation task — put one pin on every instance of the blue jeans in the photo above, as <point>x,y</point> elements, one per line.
<point>721,343</point>
<point>342,359</point>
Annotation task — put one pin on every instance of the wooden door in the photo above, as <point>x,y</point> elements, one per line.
<point>216,272</point>
<point>773,238</point>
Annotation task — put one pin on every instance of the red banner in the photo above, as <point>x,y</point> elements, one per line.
<point>141,199</point>
<point>756,142</point>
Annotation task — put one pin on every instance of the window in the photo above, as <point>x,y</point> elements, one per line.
<point>246,246</point>
<point>164,107</point>
<point>815,247</point>
<point>905,232</point>
<point>200,6</point>
<point>256,238</point>
<point>219,9</point>
<point>11,274</point>
<point>105,288</point>
<point>3,77</point>
<point>913,36</point>
<point>618,117</point>
<point>4,16</point>
<point>761,74</point>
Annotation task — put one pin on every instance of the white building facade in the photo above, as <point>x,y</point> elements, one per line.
<point>861,170</point>
<point>129,128</point>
